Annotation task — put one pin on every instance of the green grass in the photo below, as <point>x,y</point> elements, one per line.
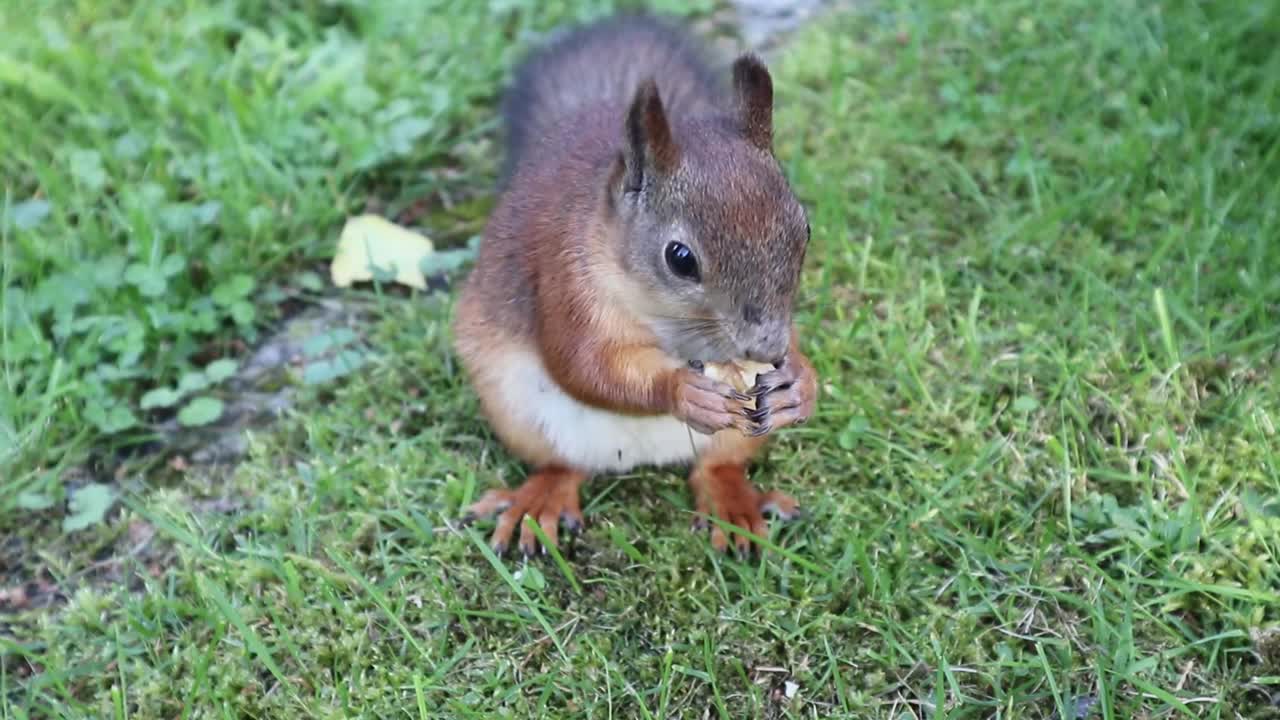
<point>1042,298</point>
<point>172,170</point>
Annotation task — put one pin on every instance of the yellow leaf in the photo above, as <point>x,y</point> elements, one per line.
<point>370,243</point>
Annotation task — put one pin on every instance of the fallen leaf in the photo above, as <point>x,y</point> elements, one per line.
<point>370,244</point>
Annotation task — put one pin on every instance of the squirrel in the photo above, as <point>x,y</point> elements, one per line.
<point>644,232</point>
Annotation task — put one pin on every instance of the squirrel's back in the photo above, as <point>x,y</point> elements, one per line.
<point>600,65</point>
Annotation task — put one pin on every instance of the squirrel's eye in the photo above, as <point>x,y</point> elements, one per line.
<point>681,260</point>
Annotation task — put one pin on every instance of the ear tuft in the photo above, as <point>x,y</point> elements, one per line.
<point>753,87</point>
<point>651,150</point>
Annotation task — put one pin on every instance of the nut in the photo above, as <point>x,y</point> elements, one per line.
<point>740,374</point>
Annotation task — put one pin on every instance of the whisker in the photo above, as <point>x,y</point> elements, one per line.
<point>692,318</point>
<point>699,337</point>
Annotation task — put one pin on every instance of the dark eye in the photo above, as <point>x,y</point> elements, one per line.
<point>681,260</point>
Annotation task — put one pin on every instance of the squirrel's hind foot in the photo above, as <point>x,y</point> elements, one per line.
<point>549,496</point>
<point>724,492</point>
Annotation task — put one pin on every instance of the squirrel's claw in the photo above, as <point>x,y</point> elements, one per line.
<point>765,387</point>
<point>780,505</point>
<point>572,522</point>
<point>726,494</point>
<point>709,406</point>
<point>786,396</point>
<point>548,497</point>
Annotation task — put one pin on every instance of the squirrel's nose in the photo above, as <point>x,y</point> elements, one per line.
<point>768,347</point>
<point>770,358</point>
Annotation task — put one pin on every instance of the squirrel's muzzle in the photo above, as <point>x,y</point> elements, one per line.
<point>767,341</point>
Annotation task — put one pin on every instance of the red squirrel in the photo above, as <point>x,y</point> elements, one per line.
<point>644,230</point>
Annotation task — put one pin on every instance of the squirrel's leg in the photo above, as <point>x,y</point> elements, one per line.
<point>549,496</point>
<point>721,489</point>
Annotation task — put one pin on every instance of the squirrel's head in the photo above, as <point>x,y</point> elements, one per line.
<point>710,228</point>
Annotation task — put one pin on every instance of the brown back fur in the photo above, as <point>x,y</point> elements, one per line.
<point>601,64</point>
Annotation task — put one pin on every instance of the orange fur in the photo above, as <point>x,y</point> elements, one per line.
<point>548,496</point>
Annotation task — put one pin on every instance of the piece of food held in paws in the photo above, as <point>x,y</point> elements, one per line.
<point>740,374</point>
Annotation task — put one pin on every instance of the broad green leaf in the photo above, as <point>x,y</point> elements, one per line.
<point>320,343</point>
<point>234,289</point>
<point>853,432</point>
<point>89,505</point>
<point>206,213</point>
<point>108,271</point>
<point>220,370</point>
<point>445,261</point>
<point>111,419</point>
<point>86,168</point>
<point>323,371</point>
<point>159,397</point>
<point>28,213</point>
<point>531,577</point>
<point>34,501</point>
<point>405,132</point>
<point>193,382</point>
<point>173,264</point>
<point>1025,404</point>
<point>200,411</point>
<point>242,312</point>
<point>149,281</point>
<point>130,145</point>
<point>309,280</point>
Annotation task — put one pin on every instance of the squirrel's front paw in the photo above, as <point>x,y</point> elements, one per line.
<point>786,395</point>
<point>709,406</point>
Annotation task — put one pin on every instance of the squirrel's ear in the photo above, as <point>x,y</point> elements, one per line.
<point>753,87</point>
<point>651,150</point>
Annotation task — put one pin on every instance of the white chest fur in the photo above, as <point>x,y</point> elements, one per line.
<point>589,438</point>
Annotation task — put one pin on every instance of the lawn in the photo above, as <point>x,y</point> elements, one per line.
<point>1042,297</point>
